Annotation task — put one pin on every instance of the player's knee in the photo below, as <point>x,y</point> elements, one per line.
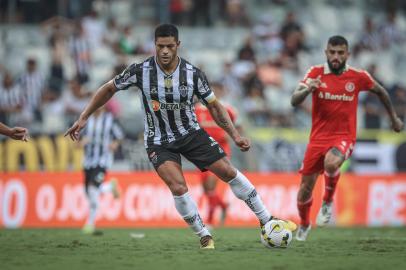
<point>178,189</point>
<point>228,173</point>
<point>330,167</point>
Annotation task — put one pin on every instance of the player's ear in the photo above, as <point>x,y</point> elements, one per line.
<point>178,43</point>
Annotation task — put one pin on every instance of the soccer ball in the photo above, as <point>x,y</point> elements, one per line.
<point>274,234</point>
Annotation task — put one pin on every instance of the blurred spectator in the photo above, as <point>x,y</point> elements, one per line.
<point>94,28</point>
<point>79,48</point>
<point>256,107</point>
<point>247,52</point>
<point>389,31</point>
<point>369,38</point>
<point>200,13</point>
<point>399,101</point>
<point>32,83</point>
<point>292,29</point>
<point>127,43</point>
<point>75,100</point>
<point>236,13</point>
<point>112,34</point>
<point>12,101</point>
<point>180,11</point>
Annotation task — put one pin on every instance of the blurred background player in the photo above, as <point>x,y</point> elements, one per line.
<point>16,133</point>
<point>101,139</point>
<point>209,180</point>
<point>334,87</point>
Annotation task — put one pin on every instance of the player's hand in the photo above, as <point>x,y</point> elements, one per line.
<point>397,124</point>
<point>313,84</point>
<point>19,133</point>
<point>75,129</point>
<point>243,143</point>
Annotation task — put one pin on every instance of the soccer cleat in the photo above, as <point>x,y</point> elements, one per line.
<point>115,189</point>
<point>302,232</point>
<point>290,225</point>
<point>324,215</point>
<point>88,229</point>
<point>206,242</point>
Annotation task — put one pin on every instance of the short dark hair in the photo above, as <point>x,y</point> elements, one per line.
<point>166,30</point>
<point>337,40</point>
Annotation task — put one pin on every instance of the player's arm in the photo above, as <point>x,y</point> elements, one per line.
<point>16,133</point>
<point>303,90</point>
<point>223,120</point>
<point>102,95</point>
<point>397,124</point>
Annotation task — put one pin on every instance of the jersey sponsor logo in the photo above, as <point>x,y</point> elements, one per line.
<point>349,86</point>
<point>156,106</point>
<point>329,96</point>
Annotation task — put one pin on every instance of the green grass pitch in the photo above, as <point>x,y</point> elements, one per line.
<point>329,248</point>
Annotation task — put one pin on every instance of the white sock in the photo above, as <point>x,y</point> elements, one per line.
<point>93,197</point>
<point>106,187</point>
<point>244,190</point>
<point>188,210</point>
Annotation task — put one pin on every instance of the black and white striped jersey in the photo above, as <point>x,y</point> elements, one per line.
<point>12,97</point>
<point>167,99</point>
<point>99,133</point>
<point>33,85</point>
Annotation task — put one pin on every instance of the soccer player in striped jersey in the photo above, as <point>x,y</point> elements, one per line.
<point>101,139</point>
<point>167,84</point>
<point>334,87</point>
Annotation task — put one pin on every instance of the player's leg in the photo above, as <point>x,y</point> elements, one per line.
<point>171,173</point>
<point>311,167</point>
<point>93,179</point>
<point>332,163</point>
<point>213,198</point>
<point>111,187</point>
<point>304,204</point>
<point>243,189</point>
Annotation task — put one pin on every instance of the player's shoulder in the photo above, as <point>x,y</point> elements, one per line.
<point>319,67</point>
<point>186,65</point>
<point>315,69</point>
<point>361,73</point>
<point>356,70</point>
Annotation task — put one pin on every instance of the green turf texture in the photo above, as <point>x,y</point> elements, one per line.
<point>328,248</point>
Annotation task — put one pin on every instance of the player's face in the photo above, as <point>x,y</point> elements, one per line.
<point>337,56</point>
<point>166,50</point>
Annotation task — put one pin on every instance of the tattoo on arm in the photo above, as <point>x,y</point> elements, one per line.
<point>385,99</point>
<point>222,119</point>
<point>300,93</point>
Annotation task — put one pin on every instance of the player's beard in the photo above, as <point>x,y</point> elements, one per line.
<point>338,69</point>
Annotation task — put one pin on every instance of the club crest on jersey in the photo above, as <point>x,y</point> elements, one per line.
<point>183,90</point>
<point>349,86</point>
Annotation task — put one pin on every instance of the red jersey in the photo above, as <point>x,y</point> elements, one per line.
<point>207,122</point>
<point>334,103</point>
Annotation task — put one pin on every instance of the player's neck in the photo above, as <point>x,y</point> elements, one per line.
<point>169,68</point>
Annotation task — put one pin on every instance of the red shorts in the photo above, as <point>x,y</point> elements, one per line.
<point>313,161</point>
<point>227,149</point>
